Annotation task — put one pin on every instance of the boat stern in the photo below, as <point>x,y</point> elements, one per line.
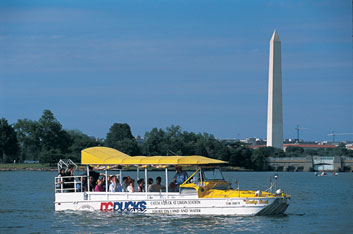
<point>277,207</point>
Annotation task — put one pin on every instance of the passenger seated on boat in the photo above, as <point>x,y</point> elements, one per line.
<point>103,182</point>
<point>172,187</point>
<point>94,174</point>
<point>125,184</point>
<point>157,187</point>
<point>91,183</point>
<point>99,187</point>
<point>180,177</point>
<point>69,180</point>
<point>141,185</point>
<point>84,184</point>
<point>109,180</point>
<point>60,179</point>
<point>131,187</point>
<point>149,184</point>
<point>115,186</point>
<point>79,187</point>
<point>62,172</point>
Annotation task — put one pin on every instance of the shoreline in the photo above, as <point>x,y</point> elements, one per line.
<point>40,167</point>
<point>28,169</point>
<point>48,167</point>
<point>224,170</point>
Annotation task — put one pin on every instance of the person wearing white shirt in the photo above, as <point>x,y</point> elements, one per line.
<point>115,186</point>
<point>131,187</point>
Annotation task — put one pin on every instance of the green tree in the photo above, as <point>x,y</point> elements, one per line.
<point>211,145</point>
<point>175,140</point>
<point>341,150</point>
<point>80,141</point>
<point>55,141</point>
<point>118,132</point>
<point>311,152</point>
<point>45,140</point>
<point>258,158</point>
<point>225,154</point>
<point>190,146</point>
<point>50,155</point>
<point>240,155</point>
<point>120,137</point>
<point>200,145</point>
<point>275,152</point>
<point>9,147</point>
<point>28,134</point>
<point>51,133</point>
<point>294,151</point>
<point>155,143</point>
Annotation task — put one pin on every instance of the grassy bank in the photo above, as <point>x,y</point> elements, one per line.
<point>23,166</point>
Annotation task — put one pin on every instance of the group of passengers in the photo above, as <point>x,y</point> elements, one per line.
<point>128,184</point>
<point>97,182</point>
<point>66,178</point>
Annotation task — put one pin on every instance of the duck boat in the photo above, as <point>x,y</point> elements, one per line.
<point>205,192</point>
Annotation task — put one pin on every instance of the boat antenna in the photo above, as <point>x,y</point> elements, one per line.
<point>237,184</point>
<point>171,153</point>
<point>276,177</point>
<point>273,184</point>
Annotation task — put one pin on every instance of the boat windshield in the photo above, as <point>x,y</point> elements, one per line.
<point>212,174</point>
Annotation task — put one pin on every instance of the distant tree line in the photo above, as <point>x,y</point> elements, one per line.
<point>46,141</point>
<point>340,150</point>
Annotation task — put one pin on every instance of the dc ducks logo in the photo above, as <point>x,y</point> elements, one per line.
<point>131,206</point>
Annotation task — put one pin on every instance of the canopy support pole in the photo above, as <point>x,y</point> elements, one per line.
<point>166,180</point>
<point>201,176</point>
<point>146,185</point>
<point>88,188</point>
<point>106,180</point>
<point>138,173</point>
<point>121,178</point>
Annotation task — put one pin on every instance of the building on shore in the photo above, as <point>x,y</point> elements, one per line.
<point>310,163</point>
<point>304,146</point>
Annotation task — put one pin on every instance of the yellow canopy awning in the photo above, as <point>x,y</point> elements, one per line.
<point>136,160</point>
<point>102,156</point>
<point>176,160</point>
<point>109,156</point>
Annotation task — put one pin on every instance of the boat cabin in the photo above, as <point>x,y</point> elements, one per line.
<point>113,162</point>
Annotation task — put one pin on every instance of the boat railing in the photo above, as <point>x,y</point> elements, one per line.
<point>69,184</point>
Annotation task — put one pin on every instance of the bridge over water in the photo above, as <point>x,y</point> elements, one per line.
<point>310,163</point>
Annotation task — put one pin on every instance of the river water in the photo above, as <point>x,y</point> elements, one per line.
<point>318,205</point>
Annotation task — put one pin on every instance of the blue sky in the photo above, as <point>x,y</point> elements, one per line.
<point>202,65</point>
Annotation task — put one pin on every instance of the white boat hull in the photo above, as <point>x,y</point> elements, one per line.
<point>171,203</point>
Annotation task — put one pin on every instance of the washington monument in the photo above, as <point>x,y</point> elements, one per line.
<point>274,107</point>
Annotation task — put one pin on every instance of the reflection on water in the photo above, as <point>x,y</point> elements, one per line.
<point>126,222</point>
<point>318,205</point>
